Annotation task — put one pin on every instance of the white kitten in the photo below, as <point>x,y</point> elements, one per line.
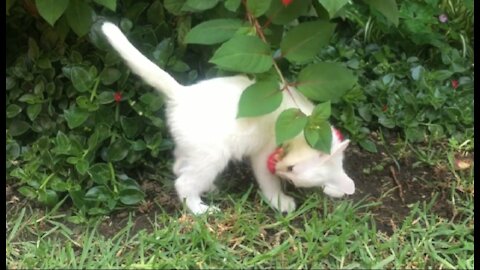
<point>207,134</point>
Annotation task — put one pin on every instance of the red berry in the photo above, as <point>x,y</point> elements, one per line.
<point>117,97</point>
<point>286,2</point>
<point>454,84</point>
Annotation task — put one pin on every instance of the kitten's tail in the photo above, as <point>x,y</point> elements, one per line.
<point>140,65</point>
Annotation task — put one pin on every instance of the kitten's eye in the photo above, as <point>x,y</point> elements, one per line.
<point>290,168</point>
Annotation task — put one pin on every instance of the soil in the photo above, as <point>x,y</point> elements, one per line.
<point>377,179</point>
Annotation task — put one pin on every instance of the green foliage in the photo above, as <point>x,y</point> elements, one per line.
<point>306,40</point>
<point>78,123</point>
<point>213,31</point>
<point>289,124</point>
<point>259,98</point>
<point>243,54</point>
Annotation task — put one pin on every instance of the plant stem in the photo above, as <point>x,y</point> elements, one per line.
<point>259,31</point>
<point>112,177</point>
<point>46,181</point>
<point>94,91</point>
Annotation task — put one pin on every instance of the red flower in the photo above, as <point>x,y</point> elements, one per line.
<point>454,84</point>
<point>338,134</point>
<point>286,2</point>
<point>117,97</point>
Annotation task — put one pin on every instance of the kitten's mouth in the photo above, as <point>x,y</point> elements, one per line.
<point>287,179</point>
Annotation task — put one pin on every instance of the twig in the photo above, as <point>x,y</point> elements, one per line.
<point>400,189</point>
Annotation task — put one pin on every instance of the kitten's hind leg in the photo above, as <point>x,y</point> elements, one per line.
<point>270,185</point>
<point>197,178</point>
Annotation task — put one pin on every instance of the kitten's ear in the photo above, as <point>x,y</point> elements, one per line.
<point>341,147</point>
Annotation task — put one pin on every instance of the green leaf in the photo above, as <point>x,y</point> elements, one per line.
<point>33,111</point>
<point>153,101</point>
<point>75,117</point>
<point>232,5</point>
<point>62,144</point>
<point>102,132</point>
<point>10,83</point>
<point>77,197</point>
<point>155,13</point>
<point>163,51</point>
<point>30,99</point>
<point>57,184</point>
<point>139,145</point>
<point>179,66</point>
<point>325,81</point>
<point>322,111</point>
<point>195,5</point>
<point>386,122</point>
<point>258,7</point>
<point>153,141</point>
<point>333,6</point>
<point>13,110</point>
<point>130,125</point>
<point>84,103</point>
<point>368,145</point>
<point>44,62</point>
<point>318,134</point>
<point>110,4</point>
<point>28,192</point>
<point>105,97</point>
<point>243,54</point>
<point>33,49</point>
<point>289,124</point>
<point>51,10</point>
<point>213,31</point>
<point>100,173</point>
<point>259,98</point>
<point>117,150</point>
<point>280,14</point>
<point>48,197</point>
<point>12,150</point>
<point>110,75</point>
<point>79,16</point>
<point>174,6</point>
<point>131,196</point>
<point>82,80</point>
<point>82,166</point>
<point>18,127</point>
<point>388,8</point>
<point>98,193</point>
<point>305,40</point>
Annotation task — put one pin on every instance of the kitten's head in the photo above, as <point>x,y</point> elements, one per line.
<point>307,167</point>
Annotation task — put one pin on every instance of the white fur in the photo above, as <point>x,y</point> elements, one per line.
<point>207,134</point>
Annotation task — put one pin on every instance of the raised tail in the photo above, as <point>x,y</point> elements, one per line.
<point>140,65</point>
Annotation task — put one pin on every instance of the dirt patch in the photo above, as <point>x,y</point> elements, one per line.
<point>378,178</point>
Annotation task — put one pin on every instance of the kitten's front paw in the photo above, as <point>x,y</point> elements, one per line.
<point>333,192</point>
<point>283,203</point>
<point>199,209</point>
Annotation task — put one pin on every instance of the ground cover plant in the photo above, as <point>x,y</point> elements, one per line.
<point>89,155</point>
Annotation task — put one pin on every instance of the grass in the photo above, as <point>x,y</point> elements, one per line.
<point>322,233</point>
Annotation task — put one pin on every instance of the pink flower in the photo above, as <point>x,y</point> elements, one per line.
<point>443,18</point>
